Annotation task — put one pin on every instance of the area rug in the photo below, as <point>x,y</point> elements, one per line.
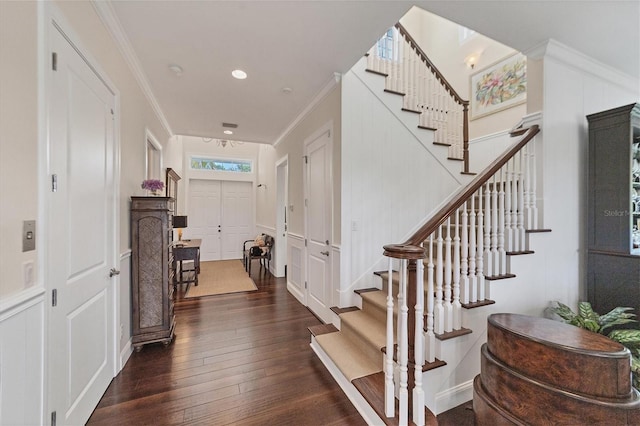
<point>221,277</point>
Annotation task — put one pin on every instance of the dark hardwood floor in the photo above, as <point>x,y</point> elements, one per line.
<point>237,359</point>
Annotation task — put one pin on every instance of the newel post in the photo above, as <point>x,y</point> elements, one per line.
<point>465,135</point>
<point>410,336</point>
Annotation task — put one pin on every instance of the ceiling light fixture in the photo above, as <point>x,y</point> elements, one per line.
<point>177,69</point>
<point>222,142</point>
<point>472,59</point>
<point>228,132</point>
<point>239,74</point>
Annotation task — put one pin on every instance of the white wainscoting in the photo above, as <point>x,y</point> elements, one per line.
<point>295,272</point>
<point>335,275</point>
<point>124,331</point>
<point>22,358</point>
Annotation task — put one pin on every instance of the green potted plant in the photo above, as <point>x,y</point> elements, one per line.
<point>590,320</point>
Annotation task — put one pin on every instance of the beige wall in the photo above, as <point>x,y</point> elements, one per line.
<point>439,39</point>
<point>18,137</point>
<point>326,110</point>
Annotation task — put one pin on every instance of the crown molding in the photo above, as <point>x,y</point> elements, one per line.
<point>107,15</point>
<point>334,81</point>
<point>575,59</point>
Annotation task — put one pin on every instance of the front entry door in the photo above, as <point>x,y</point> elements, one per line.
<point>318,224</point>
<point>81,239</point>
<point>221,214</point>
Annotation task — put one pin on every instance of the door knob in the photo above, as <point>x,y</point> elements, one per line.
<point>326,253</point>
<point>113,272</point>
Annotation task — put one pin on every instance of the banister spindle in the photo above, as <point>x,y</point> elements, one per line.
<point>403,393</point>
<point>389,388</point>
<point>457,308</point>
<point>533,172</point>
<point>430,335</point>
<point>480,246</point>
<point>487,233</point>
<point>448,306</point>
<point>508,237</point>
<point>494,227</point>
<point>502,256</point>
<point>473,228</point>
<point>514,205</point>
<point>439,308</point>
<point>464,258</point>
<point>418,392</point>
<point>521,235</point>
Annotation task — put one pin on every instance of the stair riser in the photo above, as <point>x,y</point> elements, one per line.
<point>372,352</point>
<point>508,387</point>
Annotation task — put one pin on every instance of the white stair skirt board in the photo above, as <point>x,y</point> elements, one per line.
<point>356,398</point>
<point>453,397</point>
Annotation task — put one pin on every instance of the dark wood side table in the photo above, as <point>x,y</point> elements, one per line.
<point>186,250</point>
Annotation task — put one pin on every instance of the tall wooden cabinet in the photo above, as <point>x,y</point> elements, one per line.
<point>153,319</point>
<point>613,259</point>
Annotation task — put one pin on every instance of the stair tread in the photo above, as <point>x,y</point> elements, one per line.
<point>320,329</point>
<point>348,356</point>
<point>339,311</point>
<point>367,327</point>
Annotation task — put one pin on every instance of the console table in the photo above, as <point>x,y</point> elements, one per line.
<point>186,250</point>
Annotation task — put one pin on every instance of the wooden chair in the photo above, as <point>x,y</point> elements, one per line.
<point>264,256</point>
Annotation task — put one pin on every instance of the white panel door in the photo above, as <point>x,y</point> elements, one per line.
<point>204,217</point>
<point>82,236</point>
<point>318,225</point>
<point>237,217</point>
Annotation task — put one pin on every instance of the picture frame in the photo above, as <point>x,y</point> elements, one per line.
<point>499,86</point>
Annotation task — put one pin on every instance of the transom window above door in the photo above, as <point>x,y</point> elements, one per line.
<point>223,165</point>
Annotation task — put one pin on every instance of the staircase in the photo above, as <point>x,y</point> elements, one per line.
<point>410,337</point>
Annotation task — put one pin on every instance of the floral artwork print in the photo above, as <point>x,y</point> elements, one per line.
<point>499,86</point>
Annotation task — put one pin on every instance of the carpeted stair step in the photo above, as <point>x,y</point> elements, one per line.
<point>375,304</point>
<point>348,355</point>
<point>367,331</point>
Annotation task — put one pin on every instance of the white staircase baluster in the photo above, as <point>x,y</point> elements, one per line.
<point>480,246</point>
<point>508,232</point>
<point>430,335</point>
<point>495,270</point>
<point>514,204</point>
<point>521,235</point>
<point>527,187</point>
<point>487,232</point>
<point>439,307</point>
<point>448,307</point>
<point>457,308</point>
<point>473,228</point>
<point>418,392</point>
<point>389,389</point>
<point>403,346</point>
<point>464,260</point>
<point>502,263</point>
<point>533,172</point>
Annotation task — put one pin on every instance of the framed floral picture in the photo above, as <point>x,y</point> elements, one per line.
<point>499,86</point>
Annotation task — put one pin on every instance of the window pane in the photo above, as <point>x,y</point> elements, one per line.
<point>236,166</point>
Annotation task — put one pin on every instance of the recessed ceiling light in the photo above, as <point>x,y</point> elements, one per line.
<point>228,132</point>
<point>287,90</point>
<point>239,74</point>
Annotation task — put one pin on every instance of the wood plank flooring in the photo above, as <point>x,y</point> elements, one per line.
<point>236,359</point>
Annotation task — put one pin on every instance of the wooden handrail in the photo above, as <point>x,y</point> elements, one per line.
<point>447,86</point>
<point>468,191</point>
<point>430,64</point>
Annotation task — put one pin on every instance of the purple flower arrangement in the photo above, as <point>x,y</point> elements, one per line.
<point>153,185</point>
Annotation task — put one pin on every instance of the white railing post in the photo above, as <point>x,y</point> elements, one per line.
<point>439,308</point>
<point>464,261</point>
<point>494,227</point>
<point>418,392</point>
<point>508,238</point>
<point>473,228</point>
<point>448,307</point>
<point>480,247</point>
<point>515,183</point>
<point>487,233</point>
<point>502,264</point>
<point>457,308</point>
<point>389,389</point>
<point>521,235</point>
<point>430,335</point>
<point>533,200</point>
<point>403,346</point>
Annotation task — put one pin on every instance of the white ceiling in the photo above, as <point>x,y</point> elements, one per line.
<point>301,44</point>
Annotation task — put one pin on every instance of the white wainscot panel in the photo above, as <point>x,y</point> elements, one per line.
<point>125,347</point>
<point>21,358</point>
<point>295,260</point>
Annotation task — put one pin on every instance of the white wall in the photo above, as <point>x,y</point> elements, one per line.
<point>439,39</point>
<point>391,179</point>
<point>574,86</point>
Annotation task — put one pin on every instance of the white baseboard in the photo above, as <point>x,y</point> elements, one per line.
<point>453,397</point>
<point>356,398</point>
<point>297,293</point>
<point>125,354</point>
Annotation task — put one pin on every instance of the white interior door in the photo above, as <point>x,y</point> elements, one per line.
<point>237,217</point>
<point>221,214</point>
<point>204,217</point>
<point>82,236</point>
<point>318,224</point>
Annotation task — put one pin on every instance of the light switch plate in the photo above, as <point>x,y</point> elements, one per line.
<point>28,235</point>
